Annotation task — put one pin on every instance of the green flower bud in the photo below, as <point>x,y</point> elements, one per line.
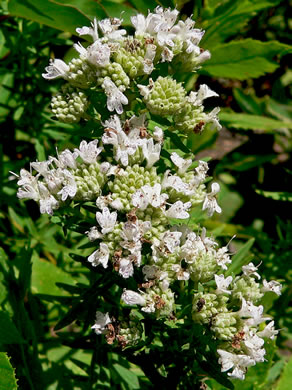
<point>190,119</point>
<point>70,104</point>
<point>188,62</point>
<point>164,97</point>
<point>80,74</point>
<point>131,57</point>
<point>163,301</point>
<point>129,333</point>
<point>203,268</point>
<point>89,181</point>
<point>207,306</point>
<point>129,181</point>
<point>116,73</point>
<point>247,288</point>
<point>224,325</point>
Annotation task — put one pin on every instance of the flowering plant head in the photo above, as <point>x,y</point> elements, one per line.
<point>144,192</point>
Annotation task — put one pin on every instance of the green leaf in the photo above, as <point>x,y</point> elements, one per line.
<point>61,16</point>
<point>247,102</point>
<point>7,374</point>
<point>114,10</point>
<point>247,58</point>
<point>252,122</point>
<point>241,258</point>
<point>9,334</point>
<point>67,15</point>
<point>143,6</point>
<point>177,141</point>
<point>6,82</point>
<point>229,19</point>
<point>285,380</point>
<point>127,376</point>
<point>45,275</point>
<point>40,149</point>
<point>282,112</point>
<point>284,196</point>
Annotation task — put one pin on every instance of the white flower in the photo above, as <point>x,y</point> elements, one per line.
<point>109,28</point>
<point>69,185</point>
<point>93,234</point>
<point>55,180</point>
<point>101,322</point>
<point>179,210</point>
<point>133,231</point>
<point>222,257</point>
<point>181,273</point>
<point>57,68</point>
<point>67,159</point>
<point>88,151</point>
<point>210,203</point>
<point>149,58</point>
<point>204,92</point>
<point>201,171</point>
<point>106,220</point>
<point>139,22</point>
<point>97,54</point>
<point>42,167</point>
<point>210,243</point>
<point>180,162</point>
<point>158,134</point>
<point>125,145</point>
<point>170,241</point>
<point>126,268</point>
<point>130,297</point>
<point>204,56</point>
<point>185,32</point>
<point>157,25</point>
<point>270,332</point>
<point>89,30</point>
<point>254,345</point>
<point>146,89</point>
<point>113,123</point>
<point>192,248</point>
<point>272,286</point>
<point>166,55</point>
<point>151,152</point>
<point>47,202</point>
<point>149,195</point>
<point>115,98</point>
<point>239,363</point>
<point>222,284</point>
<point>252,312</point>
<point>250,269</point>
<point>100,256</point>
<point>28,186</point>
<point>212,118</point>
<point>175,182</point>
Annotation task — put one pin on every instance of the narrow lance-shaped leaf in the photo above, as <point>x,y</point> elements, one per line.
<point>241,258</point>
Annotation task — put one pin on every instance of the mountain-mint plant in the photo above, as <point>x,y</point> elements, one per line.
<point>144,192</point>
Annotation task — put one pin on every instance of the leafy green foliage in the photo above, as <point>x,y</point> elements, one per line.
<point>285,380</point>
<point>7,375</point>
<point>247,58</point>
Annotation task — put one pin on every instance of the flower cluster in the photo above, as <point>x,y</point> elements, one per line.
<point>116,63</point>
<point>144,199</point>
